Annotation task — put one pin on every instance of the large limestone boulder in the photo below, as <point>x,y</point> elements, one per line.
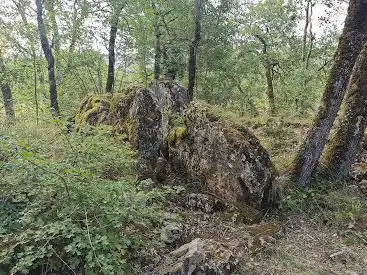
<point>221,158</point>
<point>188,140</point>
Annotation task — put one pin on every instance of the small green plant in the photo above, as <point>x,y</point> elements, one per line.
<point>325,203</point>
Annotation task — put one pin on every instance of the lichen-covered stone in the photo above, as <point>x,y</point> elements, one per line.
<point>147,115</point>
<point>203,256</point>
<point>172,233</point>
<point>222,160</point>
<point>190,141</point>
<point>170,95</point>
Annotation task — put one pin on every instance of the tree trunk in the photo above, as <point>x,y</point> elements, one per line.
<point>193,50</point>
<point>270,87</point>
<point>157,56</point>
<point>50,60</point>
<point>50,7</point>
<point>312,38</point>
<point>346,144</point>
<point>305,30</point>
<point>269,66</point>
<point>111,52</point>
<point>6,91</point>
<point>77,21</point>
<point>350,44</point>
<point>158,51</point>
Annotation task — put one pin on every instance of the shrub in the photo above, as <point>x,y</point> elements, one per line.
<point>60,211</point>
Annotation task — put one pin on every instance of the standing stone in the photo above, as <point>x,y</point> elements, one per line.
<point>147,117</point>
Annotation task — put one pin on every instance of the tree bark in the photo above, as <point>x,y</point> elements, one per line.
<point>77,21</point>
<point>305,30</point>
<point>50,7</point>
<point>158,54</point>
<point>312,38</point>
<point>269,66</point>
<point>193,50</point>
<point>6,91</point>
<point>350,44</point>
<point>111,51</point>
<point>346,144</point>
<point>54,105</point>
<point>270,87</point>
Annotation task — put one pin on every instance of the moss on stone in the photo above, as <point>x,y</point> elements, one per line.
<point>130,126</point>
<point>106,109</point>
<point>176,134</point>
<point>92,111</point>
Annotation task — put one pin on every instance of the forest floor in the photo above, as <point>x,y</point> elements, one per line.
<point>324,229</point>
<point>309,248</point>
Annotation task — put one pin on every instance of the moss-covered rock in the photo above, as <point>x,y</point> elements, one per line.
<point>176,134</point>
<point>205,151</point>
<point>92,111</point>
<point>105,109</point>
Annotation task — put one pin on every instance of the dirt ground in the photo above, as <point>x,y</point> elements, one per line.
<point>308,248</point>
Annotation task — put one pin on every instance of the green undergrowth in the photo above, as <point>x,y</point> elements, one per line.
<point>69,203</point>
<point>325,203</point>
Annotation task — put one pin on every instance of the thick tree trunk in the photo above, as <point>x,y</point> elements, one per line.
<point>50,7</point>
<point>350,44</point>
<point>193,50</point>
<point>6,91</point>
<point>50,60</point>
<point>8,101</point>
<point>111,53</point>
<point>346,144</point>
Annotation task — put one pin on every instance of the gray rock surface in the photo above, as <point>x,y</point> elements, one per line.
<point>221,159</point>
<point>204,257</point>
<point>189,140</point>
